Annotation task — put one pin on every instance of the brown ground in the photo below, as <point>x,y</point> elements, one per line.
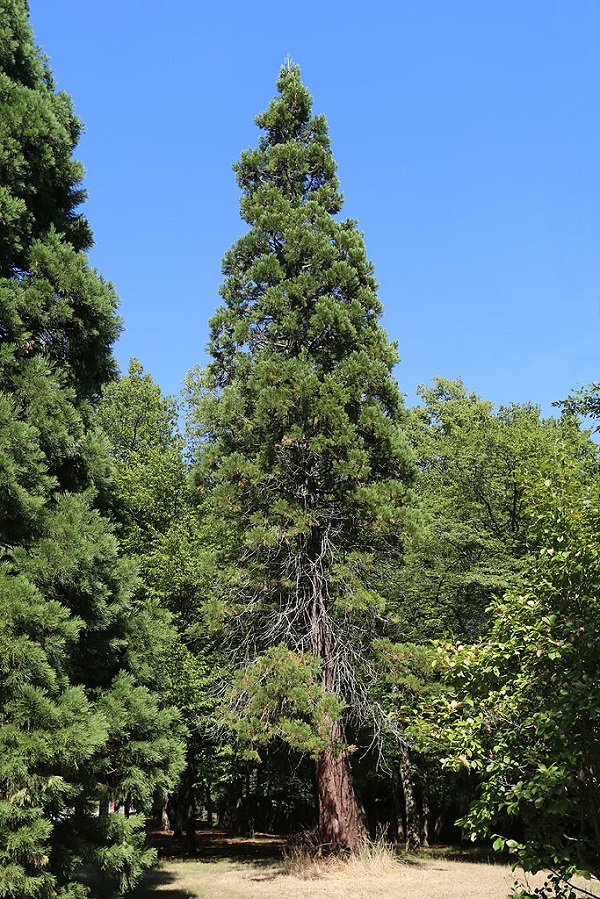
<point>228,867</point>
<point>213,844</point>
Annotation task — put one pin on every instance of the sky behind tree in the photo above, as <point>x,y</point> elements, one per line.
<point>468,142</point>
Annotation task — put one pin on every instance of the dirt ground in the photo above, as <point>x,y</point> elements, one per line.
<point>227,867</point>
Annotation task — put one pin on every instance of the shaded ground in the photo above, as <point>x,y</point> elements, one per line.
<point>213,844</point>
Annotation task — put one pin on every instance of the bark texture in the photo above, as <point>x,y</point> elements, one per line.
<point>412,828</point>
<point>339,824</point>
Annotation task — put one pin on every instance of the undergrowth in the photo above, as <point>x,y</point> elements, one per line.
<point>304,858</point>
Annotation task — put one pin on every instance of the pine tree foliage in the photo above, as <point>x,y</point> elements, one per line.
<point>40,181</point>
<point>298,436</point>
<point>299,416</point>
<point>66,594</point>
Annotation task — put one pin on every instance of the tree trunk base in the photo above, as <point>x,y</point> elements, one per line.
<point>339,824</point>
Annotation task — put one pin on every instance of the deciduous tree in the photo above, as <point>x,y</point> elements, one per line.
<point>161,529</point>
<point>474,536</point>
<point>472,545</point>
<point>525,713</point>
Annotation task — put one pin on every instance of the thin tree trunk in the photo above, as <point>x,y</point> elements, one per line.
<point>175,815</point>
<point>165,824</point>
<point>209,806</point>
<point>182,805</point>
<point>397,824</point>
<point>189,802</point>
<point>425,817</point>
<point>412,829</point>
<point>339,825</point>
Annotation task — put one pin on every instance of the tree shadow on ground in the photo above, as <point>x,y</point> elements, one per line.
<point>156,879</point>
<point>476,855</point>
<point>102,886</point>
<point>213,844</point>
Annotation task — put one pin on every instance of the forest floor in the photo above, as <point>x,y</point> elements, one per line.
<point>227,867</point>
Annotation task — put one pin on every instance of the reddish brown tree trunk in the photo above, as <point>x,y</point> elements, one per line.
<point>339,824</point>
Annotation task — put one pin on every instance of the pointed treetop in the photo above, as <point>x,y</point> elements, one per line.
<point>294,153</point>
<point>287,115</point>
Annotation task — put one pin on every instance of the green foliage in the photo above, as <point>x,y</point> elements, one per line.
<point>407,677</point>
<point>301,464</point>
<point>584,403</point>
<point>143,754</point>
<point>158,523</point>
<point>296,421</point>
<point>118,853</point>
<point>65,592</point>
<point>280,696</point>
<point>162,529</point>
<point>474,535</point>
<point>39,179</point>
<point>525,714</point>
<point>147,450</point>
<point>555,887</point>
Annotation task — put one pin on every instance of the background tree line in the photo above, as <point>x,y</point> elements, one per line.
<point>315,607</point>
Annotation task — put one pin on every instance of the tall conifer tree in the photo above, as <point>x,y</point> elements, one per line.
<point>300,449</point>
<point>69,703</point>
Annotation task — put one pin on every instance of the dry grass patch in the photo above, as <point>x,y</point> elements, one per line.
<point>367,879</point>
<point>303,859</point>
<point>228,867</point>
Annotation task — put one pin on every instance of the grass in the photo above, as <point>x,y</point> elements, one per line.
<point>302,874</point>
<point>426,879</point>
<point>303,859</point>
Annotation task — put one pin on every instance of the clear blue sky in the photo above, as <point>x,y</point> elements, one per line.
<point>467,134</point>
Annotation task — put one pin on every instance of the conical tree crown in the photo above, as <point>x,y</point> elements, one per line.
<point>300,414</point>
<point>293,155</point>
<point>40,182</point>
<point>301,310</point>
<point>54,310</point>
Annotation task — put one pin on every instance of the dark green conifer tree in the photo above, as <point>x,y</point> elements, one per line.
<point>68,699</point>
<point>300,450</point>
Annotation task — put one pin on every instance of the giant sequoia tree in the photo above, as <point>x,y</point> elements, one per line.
<point>300,452</point>
<point>77,729</point>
